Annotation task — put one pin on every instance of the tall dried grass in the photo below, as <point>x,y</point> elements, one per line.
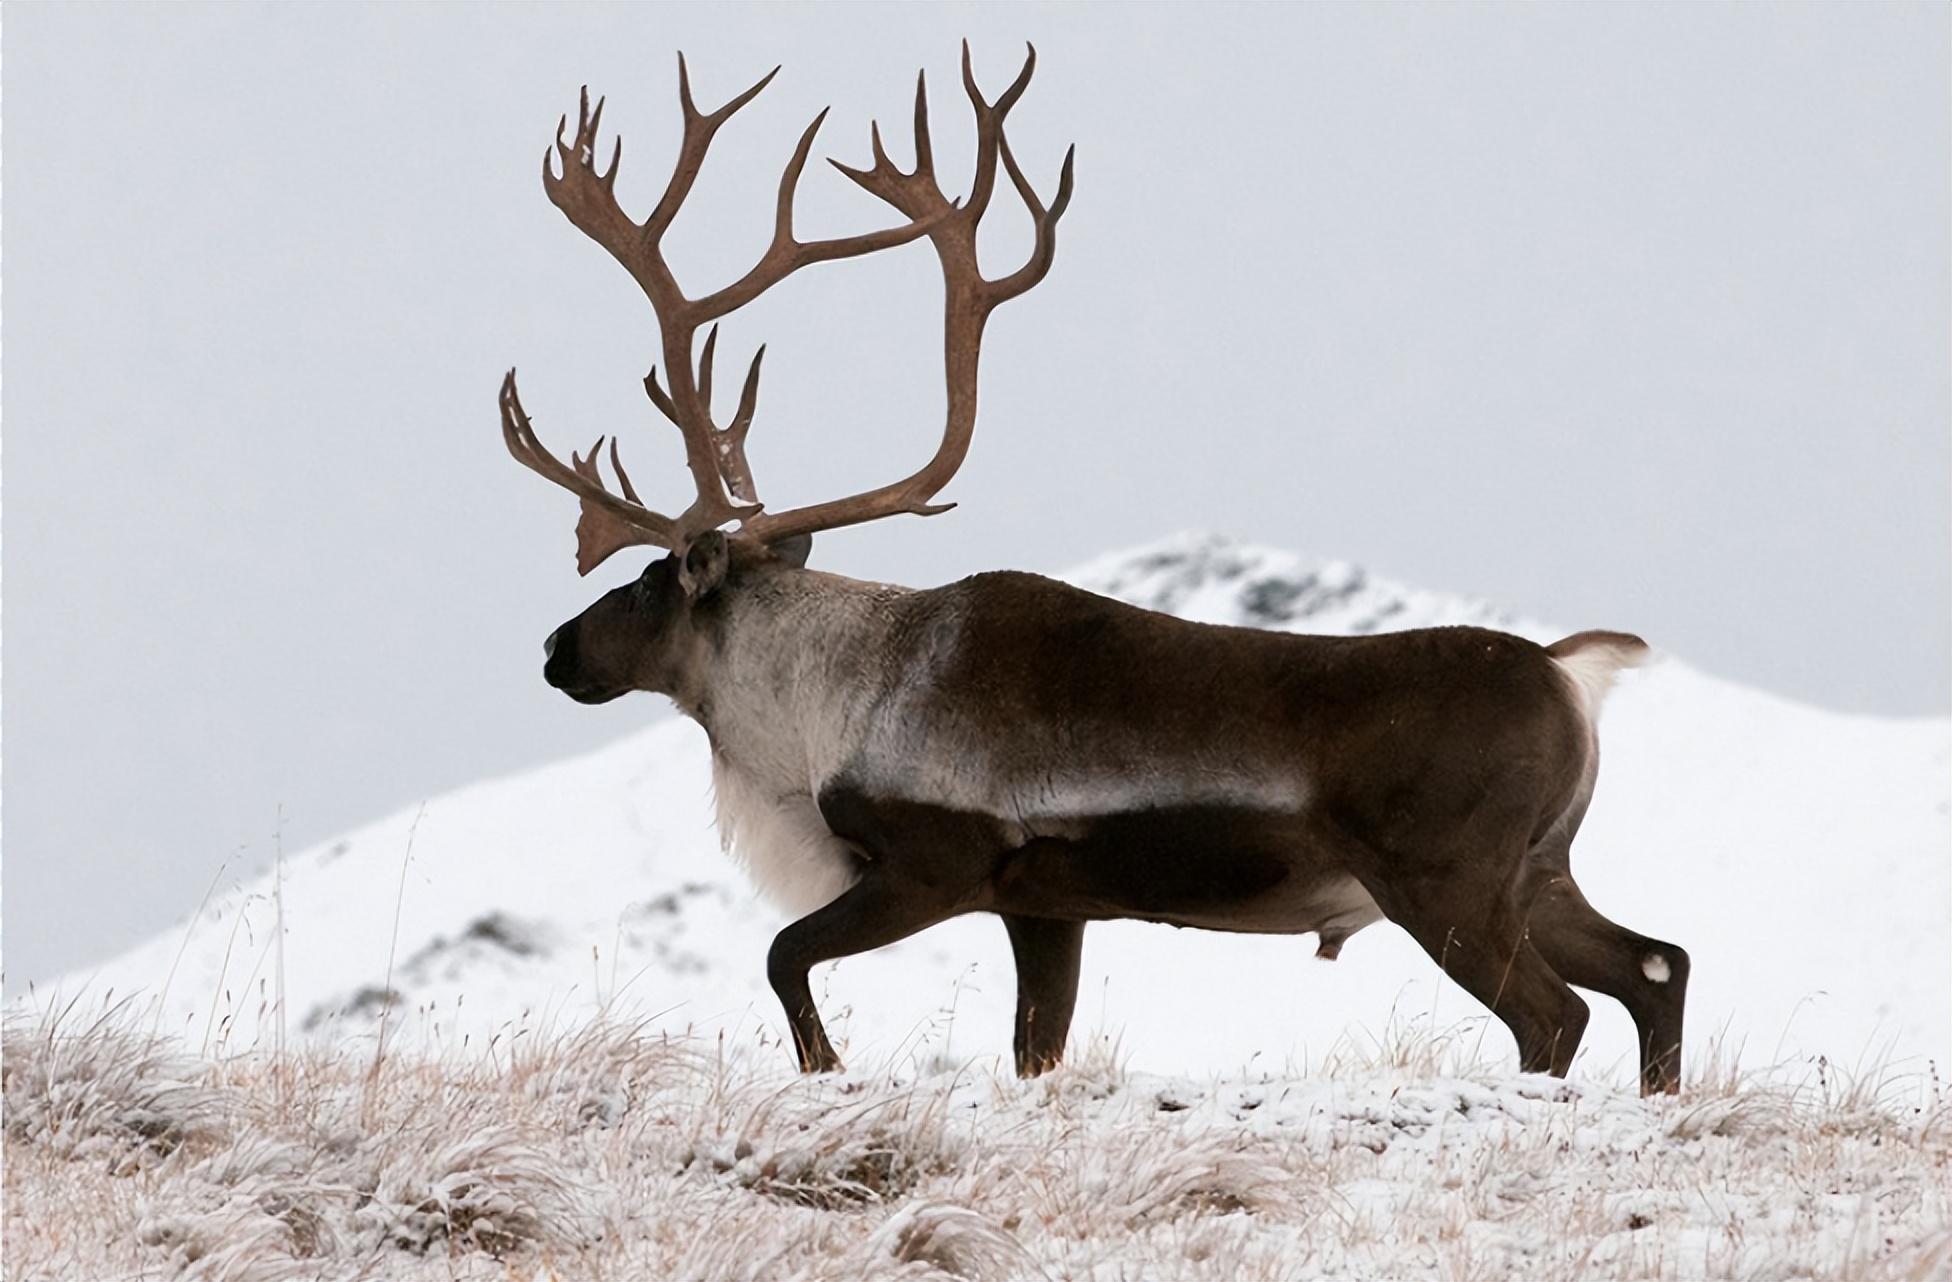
<point>607,1153</point>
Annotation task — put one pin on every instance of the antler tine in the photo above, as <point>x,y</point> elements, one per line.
<point>661,398</point>
<point>519,435</point>
<point>699,128</point>
<point>989,126</point>
<point>732,464</point>
<point>969,297</point>
<point>924,147</point>
<point>705,371</point>
<point>916,193</point>
<point>1009,97</point>
<point>623,477</point>
<point>591,205</point>
<point>1044,221</point>
<point>788,254</point>
<point>748,397</point>
<point>789,179</point>
<point>587,121</point>
<point>728,443</point>
<point>607,523</point>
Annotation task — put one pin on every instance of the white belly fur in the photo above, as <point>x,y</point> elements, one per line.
<point>784,844</point>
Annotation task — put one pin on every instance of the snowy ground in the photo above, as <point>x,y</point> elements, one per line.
<point>605,1155</point>
<point>1235,1108</point>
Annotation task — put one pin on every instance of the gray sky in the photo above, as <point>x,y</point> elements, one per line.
<point>1633,317</point>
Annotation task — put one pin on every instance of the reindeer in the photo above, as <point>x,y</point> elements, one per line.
<point>885,758</point>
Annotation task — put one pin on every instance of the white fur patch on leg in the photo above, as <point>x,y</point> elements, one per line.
<point>1655,967</point>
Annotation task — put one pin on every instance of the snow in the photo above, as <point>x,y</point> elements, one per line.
<point>605,1154</point>
<point>1803,857</point>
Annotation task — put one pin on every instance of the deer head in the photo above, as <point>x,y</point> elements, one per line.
<point>636,637</point>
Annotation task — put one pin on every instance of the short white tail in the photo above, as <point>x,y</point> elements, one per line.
<point>1592,660</point>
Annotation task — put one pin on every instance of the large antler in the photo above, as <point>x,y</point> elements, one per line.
<point>969,297</point>
<point>715,455</point>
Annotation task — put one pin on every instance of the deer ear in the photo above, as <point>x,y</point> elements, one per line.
<point>794,551</point>
<point>704,564</point>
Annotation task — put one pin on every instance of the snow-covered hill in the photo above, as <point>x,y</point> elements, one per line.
<point>1803,857</point>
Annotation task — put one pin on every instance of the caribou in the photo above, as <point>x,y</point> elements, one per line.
<point>886,758</point>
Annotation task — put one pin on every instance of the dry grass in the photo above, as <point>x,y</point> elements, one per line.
<point>603,1154</point>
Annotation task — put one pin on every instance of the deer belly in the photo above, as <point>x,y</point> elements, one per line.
<point>1215,868</point>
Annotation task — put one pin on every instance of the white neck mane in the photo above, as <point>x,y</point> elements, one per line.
<point>802,663</point>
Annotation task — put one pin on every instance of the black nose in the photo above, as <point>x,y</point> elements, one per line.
<point>559,655</point>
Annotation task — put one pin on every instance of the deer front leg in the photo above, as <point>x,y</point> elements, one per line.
<point>1047,954</point>
<point>876,910</point>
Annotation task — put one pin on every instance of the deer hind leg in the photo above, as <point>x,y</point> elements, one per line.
<point>1647,976</point>
<point>1047,955</point>
<point>876,910</point>
<point>1479,941</point>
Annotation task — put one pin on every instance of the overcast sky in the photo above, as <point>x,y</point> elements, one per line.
<point>1623,316</point>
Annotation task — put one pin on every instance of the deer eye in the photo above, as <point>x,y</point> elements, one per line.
<point>650,584</point>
